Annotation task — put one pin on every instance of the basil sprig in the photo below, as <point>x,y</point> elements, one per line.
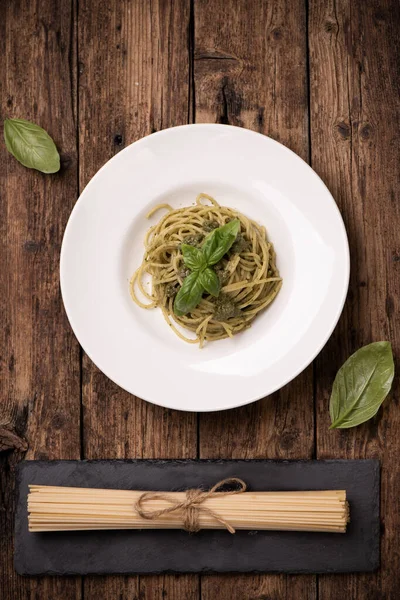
<point>361,385</point>
<point>200,260</point>
<point>31,145</point>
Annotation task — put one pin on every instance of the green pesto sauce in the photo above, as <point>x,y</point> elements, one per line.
<point>194,239</point>
<point>225,308</point>
<point>171,289</point>
<point>240,245</point>
<point>210,225</point>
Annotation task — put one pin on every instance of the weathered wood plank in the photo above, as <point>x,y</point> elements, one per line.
<point>355,124</point>
<point>163,587</point>
<point>250,70</point>
<point>40,366</point>
<point>134,79</point>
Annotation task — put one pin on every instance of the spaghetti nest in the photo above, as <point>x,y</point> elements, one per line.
<point>248,274</point>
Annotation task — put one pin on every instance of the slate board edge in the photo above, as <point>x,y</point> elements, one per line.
<point>155,461</point>
<point>375,463</point>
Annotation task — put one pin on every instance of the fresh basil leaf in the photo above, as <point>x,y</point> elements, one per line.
<point>361,385</point>
<point>219,241</point>
<point>210,281</point>
<point>31,145</point>
<point>189,296</point>
<point>193,257</point>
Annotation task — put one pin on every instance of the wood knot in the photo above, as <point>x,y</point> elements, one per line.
<point>277,33</point>
<point>118,140</point>
<point>366,131</point>
<point>331,26</point>
<point>343,130</point>
<point>58,421</point>
<point>66,161</point>
<point>32,246</point>
<point>288,439</point>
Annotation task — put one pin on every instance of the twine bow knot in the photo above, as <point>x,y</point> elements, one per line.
<point>193,505</point>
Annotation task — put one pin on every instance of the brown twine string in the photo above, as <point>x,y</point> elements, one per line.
<point>192,506</point>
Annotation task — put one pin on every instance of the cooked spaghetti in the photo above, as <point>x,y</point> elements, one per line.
<point>248,276</point>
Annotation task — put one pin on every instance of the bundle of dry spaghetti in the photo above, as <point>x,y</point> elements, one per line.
<point>67,508</point>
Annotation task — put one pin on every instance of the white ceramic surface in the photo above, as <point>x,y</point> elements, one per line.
<point>103,244</point>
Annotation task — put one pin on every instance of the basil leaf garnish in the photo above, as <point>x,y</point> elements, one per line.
<point>31,145</point>
<point>199,261</point>
<point>218,242</point>
<point>210,281</point>
<point>361,385</point>
<point>193,257</point>
<point>189,295</point>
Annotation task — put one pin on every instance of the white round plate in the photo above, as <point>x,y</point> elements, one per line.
<point>103,245</point>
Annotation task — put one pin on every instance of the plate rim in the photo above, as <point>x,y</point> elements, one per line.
<point>304,364</point>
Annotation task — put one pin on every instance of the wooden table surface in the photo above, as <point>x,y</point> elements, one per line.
<point>320,76</point>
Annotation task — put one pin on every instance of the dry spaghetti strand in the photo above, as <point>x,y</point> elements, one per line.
<point>250,278</point>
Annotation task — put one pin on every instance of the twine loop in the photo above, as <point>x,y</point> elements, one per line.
<point>192,506</point>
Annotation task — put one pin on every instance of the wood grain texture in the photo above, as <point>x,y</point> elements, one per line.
<point>133,80</point>
<point>144,66</point>
<point>250,70</point>
<point>355,124</point>
<point>40,369</point>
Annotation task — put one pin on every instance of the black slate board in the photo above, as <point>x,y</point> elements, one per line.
<point>207,551</point>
